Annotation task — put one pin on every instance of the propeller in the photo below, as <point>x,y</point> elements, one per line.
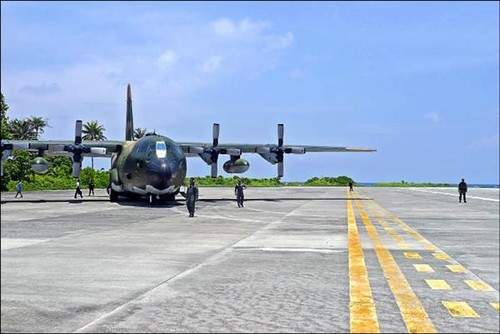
<point>214,152</point>
<point>275,154</point>
<point>280,150</point>
<point>78,149</point>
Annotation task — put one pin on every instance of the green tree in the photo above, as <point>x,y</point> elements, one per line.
<point>139,133</point>
<point>4,133</point>
<point>21,129</point>
<point>37,124</point>
<point>93,131</point>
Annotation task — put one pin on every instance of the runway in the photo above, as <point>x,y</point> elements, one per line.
<point>294,259</point>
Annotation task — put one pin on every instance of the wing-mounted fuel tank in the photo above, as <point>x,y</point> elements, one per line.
<point>236,165</point>
<point>40,165</point>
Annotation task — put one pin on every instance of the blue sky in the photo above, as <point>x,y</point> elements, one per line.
<point>418,81</point>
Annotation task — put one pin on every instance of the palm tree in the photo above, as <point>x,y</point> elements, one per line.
<point>37,124</point>
<point>93,131</point>
<point>21,130</point>
<point>139,133</point>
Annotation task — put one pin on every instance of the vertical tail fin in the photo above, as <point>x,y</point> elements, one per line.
<point>129,125</point>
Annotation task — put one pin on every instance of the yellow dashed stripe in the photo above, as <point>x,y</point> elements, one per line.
<point>460,309</point>
<point>362,307</point>
<point>456,268</point>
<point>423,268</point>
<point>478,285</point>
<point>438,284</point>
<point>412,311</point>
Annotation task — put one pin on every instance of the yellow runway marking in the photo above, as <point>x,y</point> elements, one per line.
<point>441,256</point>
<point>409,255</point>
<point>412,310</point>
<point>423,268</point>
<point>405,246</point>
<point>460,309</point>
<point>438,284</point>
<point>479,285</point>
<point>496,306</point>
<point>456,268</point>
<point>363,314</point>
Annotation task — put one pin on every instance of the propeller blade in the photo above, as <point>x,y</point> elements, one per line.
<point>215,134</point>
<point>78,132</point>
<point>76,168</point>
<point>98,150</point>
<point>214,169</point>
<point>281,131</point>
<point>280,169</point>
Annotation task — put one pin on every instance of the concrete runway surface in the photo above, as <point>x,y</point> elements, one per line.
<point>308,259</point>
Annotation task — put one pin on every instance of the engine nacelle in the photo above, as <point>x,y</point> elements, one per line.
<point>39,165</point>
<point>236,166</point>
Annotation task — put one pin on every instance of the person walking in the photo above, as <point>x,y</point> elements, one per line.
<point>19,188</point>
<point>91,187</point>
<point>350,186</point>
<point>191,197</point>
<point>78,191</point>
<point>238,191</point>
<point>462,190</point>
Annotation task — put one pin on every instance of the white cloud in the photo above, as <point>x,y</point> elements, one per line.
<point>167,60</point>
<point>484,143</point>
<point>297,73</point>
<point>279,42</point>
<point>212,64</point>
<point>245,28</point>
<point>432,117</point>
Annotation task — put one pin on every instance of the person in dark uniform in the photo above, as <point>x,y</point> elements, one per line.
<point>238,191</point>
<point>91,188</point>
<point>462,190</point>
<point>350,186</point>
<point>191,197</point>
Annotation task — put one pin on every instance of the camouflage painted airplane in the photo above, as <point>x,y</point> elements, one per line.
<point>155,166</point>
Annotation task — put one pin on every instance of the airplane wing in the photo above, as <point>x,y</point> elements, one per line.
<point>56,147</point>
<point>192,149</point>
<point>76,149</point>
<point>273,153</point>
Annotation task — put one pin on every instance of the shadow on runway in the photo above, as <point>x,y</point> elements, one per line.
<point>143,202</point>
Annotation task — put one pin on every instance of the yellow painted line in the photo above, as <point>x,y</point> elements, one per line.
<point>460,309</point>
<point>479,285</point>
<point>423,268</point>
<point>412,310</point>
<point>419,239</point>
<point>363,314</point>
<point>405,246</point>
<point>438,284</point>
<point>456,268</point>
<point>496,306</point>
<point>430,247</point>
<point>441,256</point>
<point>393,233</point>
<point>398,239</point>
<point>411,255</point>
<point>389,228</point>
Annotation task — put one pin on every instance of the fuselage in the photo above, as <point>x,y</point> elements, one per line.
<point>152,165</point>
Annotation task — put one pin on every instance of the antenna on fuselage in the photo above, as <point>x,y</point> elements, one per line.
<point>129,124</point>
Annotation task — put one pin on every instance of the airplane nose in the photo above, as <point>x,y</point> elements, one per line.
<point>159,173</point>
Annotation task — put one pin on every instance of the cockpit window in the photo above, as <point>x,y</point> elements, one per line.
<point>161,149</point>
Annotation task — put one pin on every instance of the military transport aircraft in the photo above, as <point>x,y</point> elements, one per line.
<point>154,165</point>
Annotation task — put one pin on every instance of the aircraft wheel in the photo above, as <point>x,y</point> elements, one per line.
<point>163,199</point>
<point>113,196</point>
